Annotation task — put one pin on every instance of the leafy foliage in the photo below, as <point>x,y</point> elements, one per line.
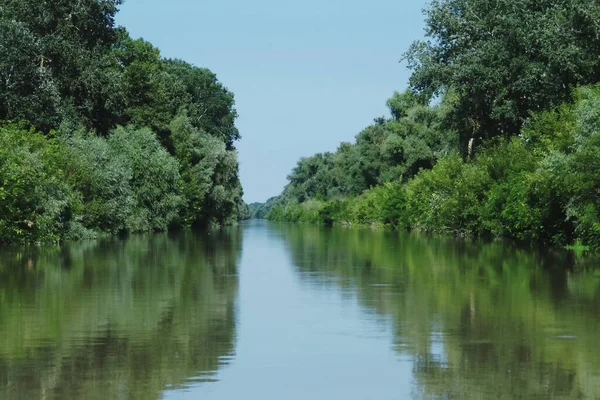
<point>540,187</point>
<point>117,107</point>
<point>386,151</point>
<point>505,59</point>
<point>103,180</point>
<point>70,52</point>
<point>82,185</point>
<point>154,181</point>
<point>36,203</point>
<point>498,134</point>
<point>209,174</point>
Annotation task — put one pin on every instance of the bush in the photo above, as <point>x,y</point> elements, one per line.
<point>583,183</point>
<point>36,203</point>
<point>210,183</point>
<point>392,202</point>
<point>524,200</point>
<point>448,197</point>
<point>310,211</point>
<point>333,211</point>
<point>80,185</point>
<point>127,182</point>
<point>525,207</point>
<point>542,186</point>
<point>154,181</point>
<point>103,178</point>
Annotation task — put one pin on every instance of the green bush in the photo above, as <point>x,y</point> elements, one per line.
<point>540,187</point>
<point>128,182</point>
<point>525,207</point>
<point>583,184</point>
<point>80,185</point>
<point>36,203</point>
<point>154,181</point>
<point>211,188</point>
<point>103,178</point>
<point>310,212</point>
<point>392,204</point>
<point>523,201</point>
<point>448,197</point>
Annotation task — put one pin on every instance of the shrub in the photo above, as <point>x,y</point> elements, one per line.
<point>103,178</point>
<point>36,204</point>
<point>210,184</point>
<point>448,197</point>
<point>127,182</point>
<point>543,186</point>
<point>154,181</point>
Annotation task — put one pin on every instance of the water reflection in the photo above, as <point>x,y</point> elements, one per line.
<point>477,320</point>
<point>302,312</point>
<point>117,318</point>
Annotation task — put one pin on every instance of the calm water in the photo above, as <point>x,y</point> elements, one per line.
<point>267,311</point>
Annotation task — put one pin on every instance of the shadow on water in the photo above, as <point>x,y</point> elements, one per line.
<point>477,320</point>
<point>117,318</point>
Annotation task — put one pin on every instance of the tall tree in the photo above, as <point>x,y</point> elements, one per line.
<point>152,96</point>
<point>27,89</point>
<point>211,106</point>
<point>504,59</point>
<point>72,39</point>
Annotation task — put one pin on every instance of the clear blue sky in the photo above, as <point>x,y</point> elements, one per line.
<point>306,75</point>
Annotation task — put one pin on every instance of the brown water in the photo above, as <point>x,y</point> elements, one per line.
<point>268,311</point>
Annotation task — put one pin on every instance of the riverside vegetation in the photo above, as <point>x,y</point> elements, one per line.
<point>498,134</point>
<point>101,134</point>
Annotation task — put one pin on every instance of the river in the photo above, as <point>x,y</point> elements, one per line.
<point>283,311</point>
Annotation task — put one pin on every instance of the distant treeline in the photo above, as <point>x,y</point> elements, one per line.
<point>103,135</point>
<point>498,134</point>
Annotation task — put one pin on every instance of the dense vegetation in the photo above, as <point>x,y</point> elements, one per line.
<point>103,135</point>
<point>497,135</point>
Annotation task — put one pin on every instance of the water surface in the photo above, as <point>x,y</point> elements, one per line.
<point>282,311</point>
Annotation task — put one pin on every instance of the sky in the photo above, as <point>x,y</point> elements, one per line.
<point>307,75</point>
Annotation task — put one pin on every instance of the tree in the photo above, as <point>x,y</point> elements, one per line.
<point>388,150</point>
<point>209,174</point>
<point>27,90</point>
<point>504,59</point>
<point>36,203</point>
<point>69,46</point>
<point>141,138</point>
<point>152,96</point>
<point>210,106</point>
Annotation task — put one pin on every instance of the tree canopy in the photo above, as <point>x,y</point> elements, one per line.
<point>504,59</point>
<point>389,149</point>
<point>496,135</point>
<point>70,73</point>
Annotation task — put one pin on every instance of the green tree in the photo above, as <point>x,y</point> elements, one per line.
<point>504,59</point>
<point>27,90</point>
<point>388,150</point>
<point>73,42</point>
<point>155,179</point>
<point>103,179</point>
<point>210,106</point>
<point>141,138</point>
<point>36,203</point>
<point>153,97</point>
<point>209,170</point>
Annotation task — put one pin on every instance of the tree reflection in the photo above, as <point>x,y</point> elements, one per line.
<point>117,318</point>
<point>479,320</point>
